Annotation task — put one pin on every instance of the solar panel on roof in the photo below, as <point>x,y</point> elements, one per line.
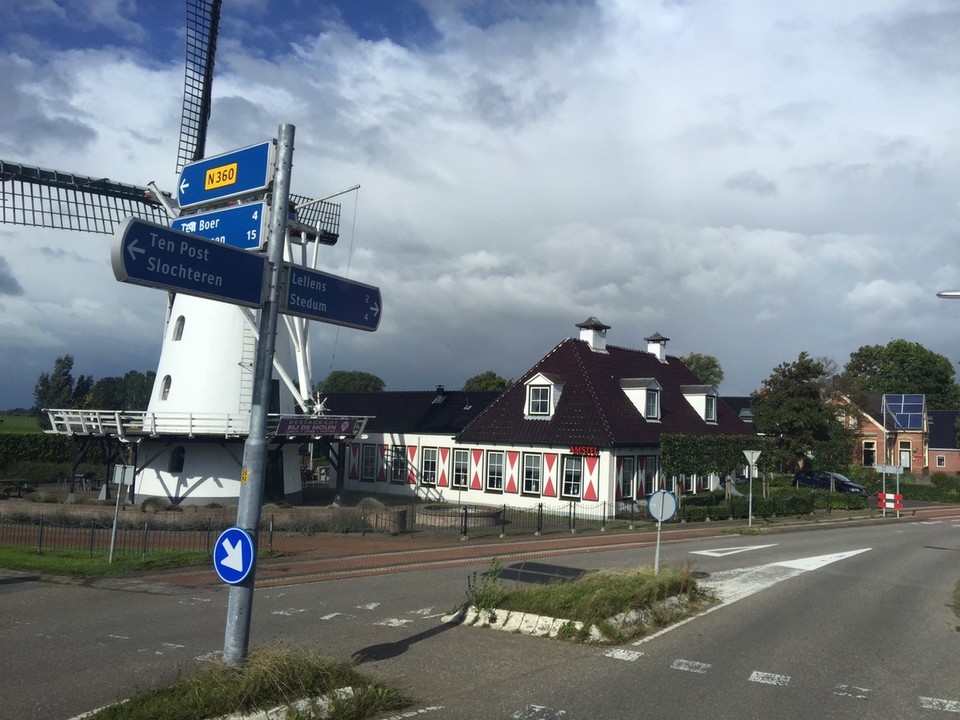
<point>907,411</point>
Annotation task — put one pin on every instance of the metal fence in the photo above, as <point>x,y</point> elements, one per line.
<point>300,529</point>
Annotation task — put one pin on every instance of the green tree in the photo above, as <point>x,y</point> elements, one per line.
<point>58,389</point>
<point>130,392</point>
<point>904,367</point>
<point>705,367</point>
<point>488,380</point>
<point>350,381</point>
<point>792,408</point>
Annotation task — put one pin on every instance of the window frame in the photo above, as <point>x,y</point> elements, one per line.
<point>539,406</point>
<point>572,466</point>
<point>489,476</point>
<point>710,408</point>
<point>941,461</point>
<point>460,482</point>
<point>628,493</point>
<point>366,449</point>
<point>398,464</point>
<point>652,398</point>
<point>429,477</point>
<point>532,486</point>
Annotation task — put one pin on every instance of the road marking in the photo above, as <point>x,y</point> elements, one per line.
<point>369,606</point>
<point>331,616</point>
<point>732,585</point>
<point>930,522</point>
<point>769,678</point>
<point>119,637</point>
<point>394,622</point>
<point>723,552</point>
<point>414,713</point>
<point>621,654</point>
<point>537,712</point>
<point>928,703</point>
<point>289,611</point>
<point>853,691</point>
<point>691,666</point>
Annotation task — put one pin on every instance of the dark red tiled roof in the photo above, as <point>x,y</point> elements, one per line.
<point>593,408</point>
<point>439,412</point>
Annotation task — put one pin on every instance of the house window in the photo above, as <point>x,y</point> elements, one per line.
<point>689,483</point>
<point>176,460</point>
<point>649,474</point>
<point>869,453</point>
<point>626,477</point>
<point>906,450</point>
<point>711,409</point>
<point>539,399</point>
<point>653,404</point>
<point>428,467</point>
<point>165,387</point>
<point>398,463</point>
<point>178,328</point>
<point>368,463</point>
<point>941,461</point>
<point>461,468</point>
<point>495,471</point>
<point>572,476</point>
<point>532,473</point>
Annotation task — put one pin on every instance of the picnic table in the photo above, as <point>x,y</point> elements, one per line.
<point>18,484</point>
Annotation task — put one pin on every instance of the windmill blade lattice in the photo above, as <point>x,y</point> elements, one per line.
<point>65,201</point>
<point>203,21</point>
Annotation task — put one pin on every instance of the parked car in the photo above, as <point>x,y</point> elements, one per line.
<point>820,480</point>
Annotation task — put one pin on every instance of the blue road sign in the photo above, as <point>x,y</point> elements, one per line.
<point>240,172</point>
<point>157,256</point>
<point>233,555</point>
<point>240,226</point>
<point>330,299</point>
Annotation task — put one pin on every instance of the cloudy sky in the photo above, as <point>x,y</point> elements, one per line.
<point>752,179</point>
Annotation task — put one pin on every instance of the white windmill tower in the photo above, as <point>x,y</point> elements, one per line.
<point>189,441</point>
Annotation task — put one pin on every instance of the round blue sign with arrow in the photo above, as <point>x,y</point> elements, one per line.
<point>233,555</point>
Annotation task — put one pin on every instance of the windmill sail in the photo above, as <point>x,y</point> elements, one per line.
<point>203,21</point>
<point>65,201</point>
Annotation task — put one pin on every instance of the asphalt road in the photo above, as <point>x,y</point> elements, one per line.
<point>866,630</point>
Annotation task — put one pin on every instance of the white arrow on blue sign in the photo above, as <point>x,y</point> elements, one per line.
<point>240,172</point>
<point>239,226</point>
<point>233,555</point>
<point>157,256</point>
<point>330,299</point>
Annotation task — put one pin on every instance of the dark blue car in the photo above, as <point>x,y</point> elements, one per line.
<point>820,480</point>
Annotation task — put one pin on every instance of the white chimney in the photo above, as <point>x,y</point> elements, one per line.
<point>657,346</point>
<point>594,333</point>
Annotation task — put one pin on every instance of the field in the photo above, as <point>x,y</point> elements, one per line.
<point>19,424</point>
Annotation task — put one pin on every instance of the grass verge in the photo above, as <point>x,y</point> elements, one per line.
<point>79,563</point>
<point>269,678</point>
<point>620,604</point>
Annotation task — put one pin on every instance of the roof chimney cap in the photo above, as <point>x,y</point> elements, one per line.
<point>657,346</point>
<point>594,333</point>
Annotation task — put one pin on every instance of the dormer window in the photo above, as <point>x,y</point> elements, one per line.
<point>653,404</point>
<point>539,400</point>
<point>543,394</point>
<point>644,393</point>
<point>703,399</point>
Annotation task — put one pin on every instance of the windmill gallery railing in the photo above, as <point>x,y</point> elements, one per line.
<point>123,423</point>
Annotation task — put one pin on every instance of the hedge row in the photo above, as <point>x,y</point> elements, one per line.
<point>32,447</point>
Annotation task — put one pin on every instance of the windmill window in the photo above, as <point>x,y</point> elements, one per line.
<point>165,387</point>
<point>178,328</point>
<point>176,460</point>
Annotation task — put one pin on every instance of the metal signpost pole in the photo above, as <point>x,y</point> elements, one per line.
<point>252,477</point>
<point>751,456</point>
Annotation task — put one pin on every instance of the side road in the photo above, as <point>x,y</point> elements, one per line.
<point>373,554</point>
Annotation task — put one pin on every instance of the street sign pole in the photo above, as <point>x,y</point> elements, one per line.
<point>751,456</point>
<point>252,475</point>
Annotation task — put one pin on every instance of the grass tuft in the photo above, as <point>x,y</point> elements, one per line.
<point>269,678</point>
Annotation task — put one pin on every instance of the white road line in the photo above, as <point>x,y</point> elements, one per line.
<point>414,713</point>
<point>691,666</point>
<point>928,703</point>
<point>394,622</point>
<point>538,712</point>
<point>769,678</point>
<point>853,691</point>
<point>289,611</point>
<point>621,654</point>
<point>723,552</point>
<point>369,606</point>
<point>331,616</point>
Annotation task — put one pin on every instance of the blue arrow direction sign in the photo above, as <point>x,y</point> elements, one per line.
<point>233,555</point>
<point>240,226</point>
<point>330,299</point>
<point>156,256</point>
<point>240,172</point>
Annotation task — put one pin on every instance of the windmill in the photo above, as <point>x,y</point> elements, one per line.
<point>200,403</point>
